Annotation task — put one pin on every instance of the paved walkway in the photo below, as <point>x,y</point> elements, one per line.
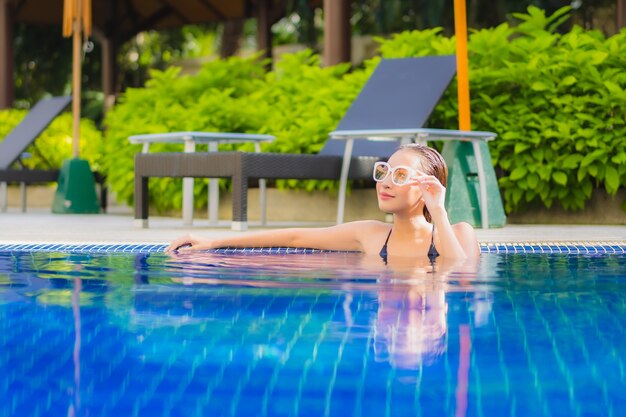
<point>42,226</point>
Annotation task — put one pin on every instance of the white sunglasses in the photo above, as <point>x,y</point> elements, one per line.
<point>400,175</point>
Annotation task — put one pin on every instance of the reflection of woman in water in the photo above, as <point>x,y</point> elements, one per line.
<point>410,326</point>
<point>411,313</point>
<point>411,321</point>
<point>411,186</point>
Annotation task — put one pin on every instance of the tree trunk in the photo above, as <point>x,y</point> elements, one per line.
<point>621,14</point>
<point>7,90</point>
<point>337,32</point>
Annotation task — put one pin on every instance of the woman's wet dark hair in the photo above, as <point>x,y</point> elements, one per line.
<point>432,163</point>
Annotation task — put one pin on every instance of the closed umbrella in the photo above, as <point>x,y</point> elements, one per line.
<point>76,192</point>
<point>462,72</point>
<point>473,154</point>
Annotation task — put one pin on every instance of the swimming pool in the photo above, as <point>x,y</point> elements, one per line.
<point>124,330</point>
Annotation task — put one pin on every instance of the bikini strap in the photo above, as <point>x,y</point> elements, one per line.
<point>388,236</point>
<point>432,236</point>
<point>432,251</point>
<point>383,250</point>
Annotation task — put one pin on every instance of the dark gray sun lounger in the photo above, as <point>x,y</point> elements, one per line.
<point>400,94</point>
<point>12,169</point>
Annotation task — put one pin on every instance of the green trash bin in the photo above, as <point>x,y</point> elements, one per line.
<point>463,191</point>
<point>76,192</point>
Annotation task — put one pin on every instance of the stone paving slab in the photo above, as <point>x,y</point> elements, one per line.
<point>43,226</point>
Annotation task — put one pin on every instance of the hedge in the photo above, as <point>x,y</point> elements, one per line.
<point>556,101</point>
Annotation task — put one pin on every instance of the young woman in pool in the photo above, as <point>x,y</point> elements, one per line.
<point>410,186</point>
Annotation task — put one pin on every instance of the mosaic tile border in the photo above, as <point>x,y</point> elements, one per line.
<point>583,248</point>
<point>140,248</point>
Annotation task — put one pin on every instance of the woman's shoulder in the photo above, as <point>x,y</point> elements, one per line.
<point>365,229</point>
<point>370,234</point>
<point>464,232</point>
<point>370,225</point>
<point>467,238</point>
<point>462,227</point>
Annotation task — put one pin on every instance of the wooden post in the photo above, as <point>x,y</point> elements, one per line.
<point>7,90</point>
<point>264,28</point>
<point>231,37</point>
<point>337,33</point>
<point>621,14</point>
<point>110,40</point>
<point>109,51</point>
<point>462,71</point>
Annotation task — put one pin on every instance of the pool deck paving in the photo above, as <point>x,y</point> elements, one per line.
<point>41,226</point>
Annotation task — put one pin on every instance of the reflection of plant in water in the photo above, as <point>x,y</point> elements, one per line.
<point>63,297</point>
<point>114,267</point>
<point>58,265</point>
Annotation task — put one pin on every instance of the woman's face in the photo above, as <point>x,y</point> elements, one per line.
<point>394,198</point>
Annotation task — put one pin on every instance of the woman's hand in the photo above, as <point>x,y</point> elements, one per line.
<point>433,192</point>
<point>189,243</point>
<point>458,241</point>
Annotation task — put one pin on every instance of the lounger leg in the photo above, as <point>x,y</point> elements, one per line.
<point>262,191</point>
<point>3,196</point>
<point>101,181</point>
<point>484,215</point>
<point>240,203</point>
<point>103,197</point>
<point>214,192</point>
<point>141,201</point>
<point>23,192</point>
<point>214,200</point>
<point>190,147</point>
<point>187,201</point>
<point>343,180</point>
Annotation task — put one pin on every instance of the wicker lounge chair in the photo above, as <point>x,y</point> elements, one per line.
<point>12,169</point>
<point>400,95</point>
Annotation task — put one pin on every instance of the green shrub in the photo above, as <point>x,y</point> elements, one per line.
<point>299,103</point>
<point>54,145</point>
<point>213,100</point>
<point>306,103</point>
<point>556,101</point>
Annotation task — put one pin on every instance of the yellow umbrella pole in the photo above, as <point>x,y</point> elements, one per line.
<point>72,26</point>
<point>462,70</point>
<point>77,58</point>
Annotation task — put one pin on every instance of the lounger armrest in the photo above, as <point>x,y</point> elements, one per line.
<point>451,134</point>
<point>420,134</point>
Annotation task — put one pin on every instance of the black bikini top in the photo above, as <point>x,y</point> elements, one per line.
<point>432,250</point>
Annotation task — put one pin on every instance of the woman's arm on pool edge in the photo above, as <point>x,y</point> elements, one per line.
<point>345,236</point>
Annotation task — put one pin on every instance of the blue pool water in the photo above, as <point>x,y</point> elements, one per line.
<point>87,333</point>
